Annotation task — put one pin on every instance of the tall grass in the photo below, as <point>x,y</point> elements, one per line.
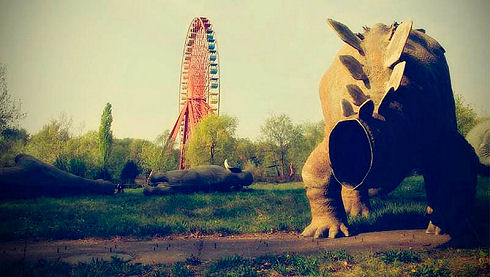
<point>447,262</point>
<point>262,208</point>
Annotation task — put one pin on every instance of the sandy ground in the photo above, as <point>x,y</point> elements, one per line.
<point>178,248</point>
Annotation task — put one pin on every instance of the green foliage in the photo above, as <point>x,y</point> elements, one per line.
<point>84,150</point>
<point>285,144</point>
<point>404,256</point>
<point>154,155</point>
<point>193,260</point>
<point>213,141</point>
<point>129,172</point>
<point>287,264</point>
<point>12,143</point>
<point>75,165</point>
<point>133,214</point>
<point>231,266</point>
<point>105,135</point>
<point>466,116</point>
<point>103,173</point>
<point>51,141</point>
<point>425,270</point>
<point>181,269</point>
<point>264,207</point>
<point>439,263</point>
<point>335,256</point>
<point>9,108</point>
<point>280,135</point>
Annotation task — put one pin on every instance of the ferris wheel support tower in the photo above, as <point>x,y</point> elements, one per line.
<point>199,92</point>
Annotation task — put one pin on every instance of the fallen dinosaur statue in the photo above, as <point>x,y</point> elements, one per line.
<point>388,108</point>
<point>31,177</point>
<point>206,178</point>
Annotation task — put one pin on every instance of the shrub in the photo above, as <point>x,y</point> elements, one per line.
<point>104,174</point>
<point>257,172</point>
<point>77,166</point>
<point>129,172</point>
<point>61,163</point>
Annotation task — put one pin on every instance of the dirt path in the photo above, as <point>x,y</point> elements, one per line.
<point>169,250</point>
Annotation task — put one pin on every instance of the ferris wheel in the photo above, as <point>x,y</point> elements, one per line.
<point>199,92</point>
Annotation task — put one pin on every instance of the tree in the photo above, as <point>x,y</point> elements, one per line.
<point>213,141</point>
<point>84,148</point>
<point>312,134</point>
<point>281,135</point>
<point>105,135</point>
<point>466,117</point>
<point>12,142</point>
<point>9,108</point>
<point>51,141</point>
<point>152,156</point>
<point>12,139</point>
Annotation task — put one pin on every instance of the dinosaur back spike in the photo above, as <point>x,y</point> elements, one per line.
<point>366,109</point>
<point>347,109</point>
<point>396,76</point>
<point>357,95</point>
<point>354,67</point>
<point>346,35</point>
<point>397,43</point>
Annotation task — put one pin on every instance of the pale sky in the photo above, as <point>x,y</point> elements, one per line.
<point>74,56</point>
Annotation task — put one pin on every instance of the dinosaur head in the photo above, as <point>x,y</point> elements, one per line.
<point>365,143</point>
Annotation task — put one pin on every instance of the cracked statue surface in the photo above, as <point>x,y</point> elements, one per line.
<point>389,108</point>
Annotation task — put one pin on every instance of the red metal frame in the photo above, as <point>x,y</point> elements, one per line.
<point>199,88</point>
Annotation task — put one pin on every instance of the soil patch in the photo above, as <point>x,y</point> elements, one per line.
<point>178,248</point>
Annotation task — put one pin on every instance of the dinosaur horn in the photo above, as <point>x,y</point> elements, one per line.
<point>354,67</point>
<point>346,35</point>
<point>357,95</point>
<point>393,84</point>
<point>396,76</point>
<point>347,109</point>
<point>226,164</point>
<point>397,43</point>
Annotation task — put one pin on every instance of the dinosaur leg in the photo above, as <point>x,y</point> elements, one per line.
<point>356,202</point>
<point>324,194</point>
<point>450,182</point>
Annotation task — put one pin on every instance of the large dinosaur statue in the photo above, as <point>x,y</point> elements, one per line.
<point>388,108</point>
<point>31,177</point>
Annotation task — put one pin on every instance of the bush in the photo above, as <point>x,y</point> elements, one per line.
<point>61,163</point>
<point>129,172</point>
<point>77,167</point>
<point>257,172</point>
<point>104,174</point>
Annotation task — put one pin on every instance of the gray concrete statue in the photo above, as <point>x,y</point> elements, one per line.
<point>206,178</point>
<point>31,177</point>
<point>388,108</point>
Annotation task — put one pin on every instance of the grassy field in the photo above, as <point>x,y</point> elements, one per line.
<point>449,262</point>
<point>262,208</point>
